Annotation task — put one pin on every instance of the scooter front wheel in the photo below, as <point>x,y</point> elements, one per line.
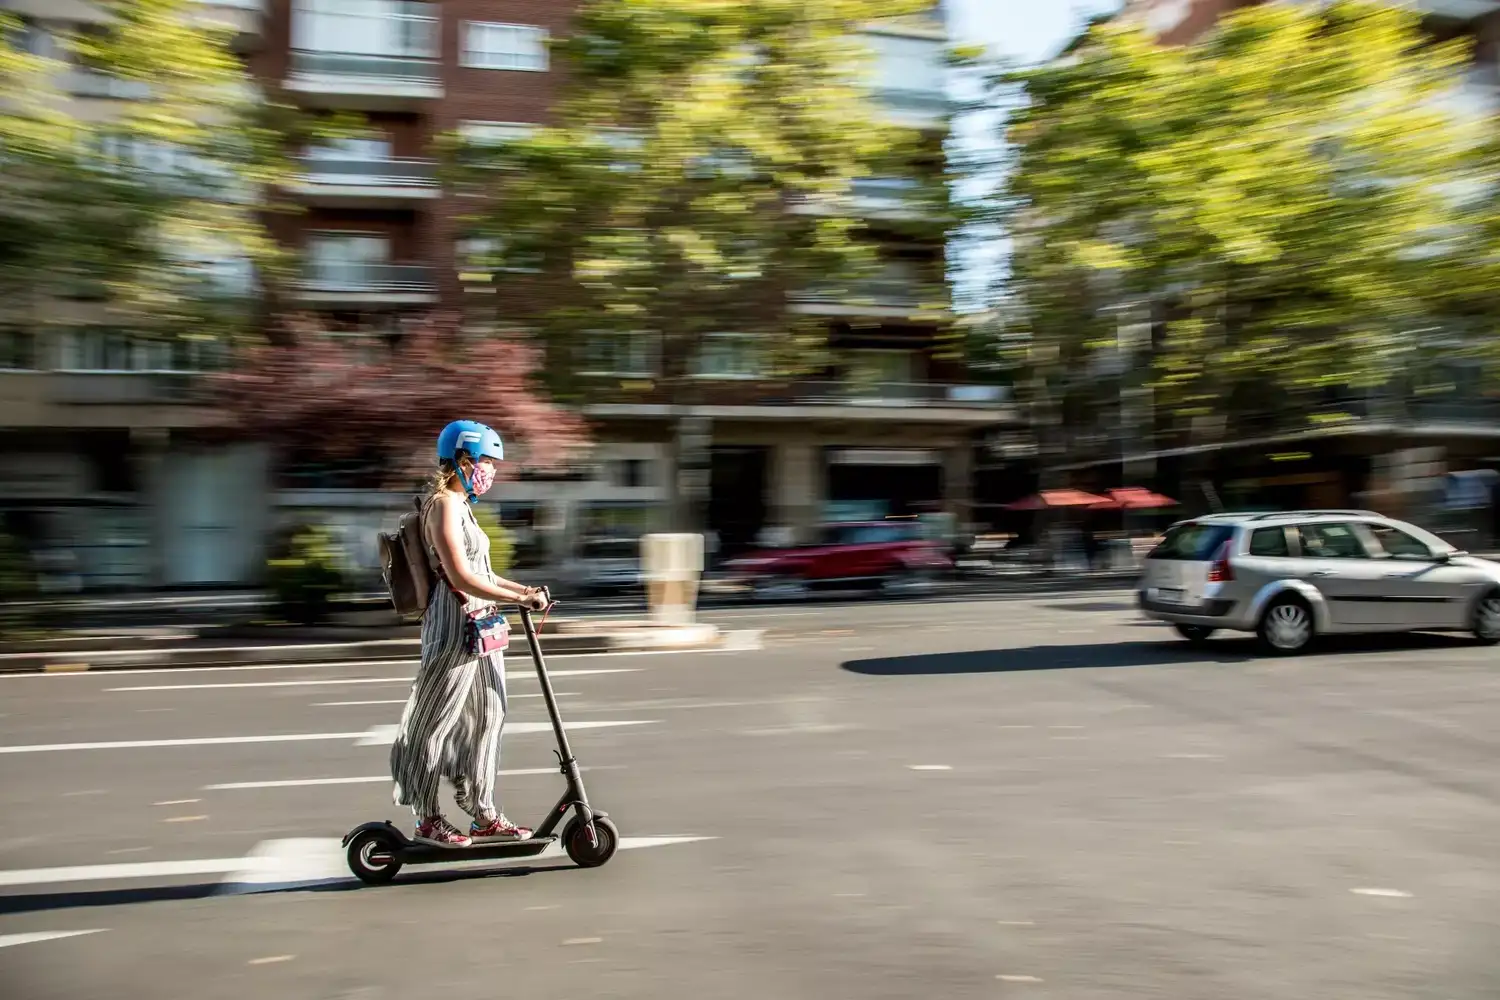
<point>374,860</point>
<point>590,855</point>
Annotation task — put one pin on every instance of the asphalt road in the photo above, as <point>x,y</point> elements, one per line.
<point>1038,798</point>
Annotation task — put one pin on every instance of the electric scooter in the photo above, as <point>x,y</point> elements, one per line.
<point>378,851</point>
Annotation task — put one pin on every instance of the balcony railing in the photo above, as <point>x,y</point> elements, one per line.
<point>888,293</point>
<point>840,393</point>
<point>379,279</point>
<point>91,83</point>
<point>933,103</point>
<point>851,393</point>
<point>369,172</point>
<point>403,69</point>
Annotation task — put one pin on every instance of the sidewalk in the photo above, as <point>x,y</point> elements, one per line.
<point>120,650</point>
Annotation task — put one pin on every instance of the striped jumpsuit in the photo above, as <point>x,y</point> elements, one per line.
<point>453,719</point>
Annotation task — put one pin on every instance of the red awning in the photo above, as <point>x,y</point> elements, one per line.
<point>1061,498</point>
<point>1139,498</point>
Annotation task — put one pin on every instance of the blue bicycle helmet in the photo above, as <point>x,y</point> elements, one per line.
<point>469,437</point>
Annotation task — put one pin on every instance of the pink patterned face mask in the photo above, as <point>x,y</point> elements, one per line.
<point>482,479</point>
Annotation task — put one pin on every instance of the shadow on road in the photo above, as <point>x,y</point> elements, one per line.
<point>1171,652</point>
<point>1093,606</point>
<point>1076,657</point>
<point>42,902</point>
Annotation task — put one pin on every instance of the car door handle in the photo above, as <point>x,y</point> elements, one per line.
<point>1320,572</point>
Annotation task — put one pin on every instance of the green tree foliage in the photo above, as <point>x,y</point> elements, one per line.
<point>158,209</point>
<point>1298,196</point>
<point>656,205</point>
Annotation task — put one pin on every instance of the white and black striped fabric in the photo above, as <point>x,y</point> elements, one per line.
<point>452,722</point>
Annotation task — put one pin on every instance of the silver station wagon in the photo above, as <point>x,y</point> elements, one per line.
<point>1294,575</point>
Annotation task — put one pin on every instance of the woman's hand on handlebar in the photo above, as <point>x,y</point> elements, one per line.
<point>535,598</point>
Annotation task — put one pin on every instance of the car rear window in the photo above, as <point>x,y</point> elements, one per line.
<point>1192,542</point>
<point>1269,542</point>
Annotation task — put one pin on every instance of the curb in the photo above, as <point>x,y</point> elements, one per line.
<point>677,639</point>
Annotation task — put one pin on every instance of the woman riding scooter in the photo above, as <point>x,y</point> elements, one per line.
<point>452,722</point>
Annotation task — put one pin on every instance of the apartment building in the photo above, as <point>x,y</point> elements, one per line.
<point>888,429</point>
<point>1398,449</point>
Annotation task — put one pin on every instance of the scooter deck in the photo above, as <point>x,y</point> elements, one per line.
<point>414,853</point>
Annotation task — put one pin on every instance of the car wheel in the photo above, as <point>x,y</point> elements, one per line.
<point>1195,634</point>
<point>1286,626</point>
<point>1487,618</point>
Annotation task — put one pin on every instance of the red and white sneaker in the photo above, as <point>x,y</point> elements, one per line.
<point>498,828</point>
<point>439,832</point>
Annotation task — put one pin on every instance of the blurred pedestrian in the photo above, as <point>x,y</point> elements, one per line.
<point>453,720</point>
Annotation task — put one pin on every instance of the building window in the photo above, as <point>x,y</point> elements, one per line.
<point>731,356</point>
<point>625,355</point>
<point>102,349</point>
<point>345,258</point>
<point>17,350</point>
<point>488,45</point>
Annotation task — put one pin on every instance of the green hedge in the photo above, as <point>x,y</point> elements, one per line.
<point>304,573</point>
<point>502,541</point>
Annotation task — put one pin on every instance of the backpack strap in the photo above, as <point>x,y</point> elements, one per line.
<point>433,561</point>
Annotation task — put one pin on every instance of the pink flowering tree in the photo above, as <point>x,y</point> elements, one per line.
<point>341,399</point>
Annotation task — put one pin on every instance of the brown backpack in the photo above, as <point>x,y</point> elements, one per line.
<point>405,565</point>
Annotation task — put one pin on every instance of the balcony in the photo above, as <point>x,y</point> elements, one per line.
<point>245,18</point>
<point>841,401</point>
<point>366,182</point>
<point>332,284</point>
<point>105,388</point>
<point>894,296</point>
<point>91,83</point>
<point>1460,10</point>
<point>922,109</point>
<point>365,55</point>
<point>889,198</point>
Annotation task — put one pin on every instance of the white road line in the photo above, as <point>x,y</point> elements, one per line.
<point>372,779</point>
<point>379,736</point>
<point>307,861</point>
<point>376,736</point>
<point>274,862</point>
<point>929,767</point>
<point>125,870</point>
<point>330,682</point>
<point>346,664</point>
<point>402,701</point>
<point>11,940</point>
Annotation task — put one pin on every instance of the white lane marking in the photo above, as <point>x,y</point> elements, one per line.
<point>372,779</point>
<point>123,870</point>
<point>199,742</point>
<point>176,802</point>
<point>1018,979</point>
<point>348,680</point>
<point>929,767</point>
<point>402,701</point>
<point>349,664</point>
<point>271,960</point>
<point>308,861</point>
<point>11,940</point>
<point>1389,893</point>
<point>578,941</point>
<point>375,736</point>
<point>379,736</point>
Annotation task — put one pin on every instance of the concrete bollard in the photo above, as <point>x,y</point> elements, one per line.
<point>672,565</point>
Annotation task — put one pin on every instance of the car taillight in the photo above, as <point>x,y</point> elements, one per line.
<point>1221,571</point>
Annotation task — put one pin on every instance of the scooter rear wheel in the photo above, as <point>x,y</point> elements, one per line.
<point>373,858</point>
<point>584,854</point>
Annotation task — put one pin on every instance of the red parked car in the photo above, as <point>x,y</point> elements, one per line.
<point>895,556</point>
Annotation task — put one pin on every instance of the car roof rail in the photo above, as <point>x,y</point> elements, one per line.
<point>1316,513</point>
